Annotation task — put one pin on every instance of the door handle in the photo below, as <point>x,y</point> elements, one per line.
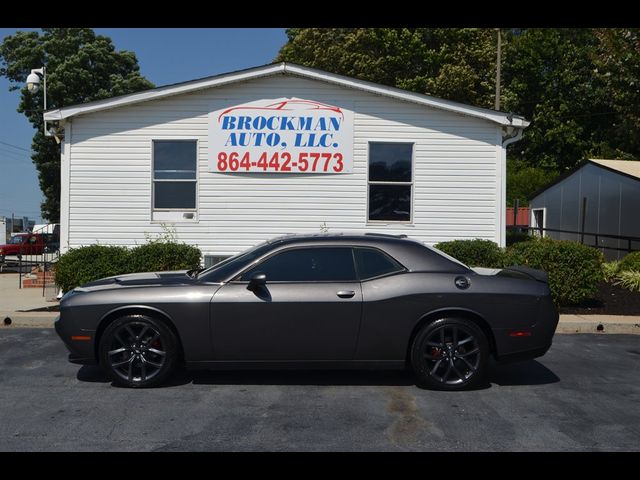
<point>346,293</point>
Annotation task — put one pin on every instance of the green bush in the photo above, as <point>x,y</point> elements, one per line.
<point>85,264</point>
<point>574,269</point>
<point>610,270</point>
<point>474,253</point>
<point>629,279</point>
<point>630,262</point>
<point>156,257</point>
<point>515,237</point>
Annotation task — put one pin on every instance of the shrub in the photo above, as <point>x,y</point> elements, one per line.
<point>515,237</point>
<point>86,264</point>
<point>610,270</point>
<point>475,253</point>
<point>630,262</point>
<point>629,279</point>
<point>574,269</point>
<point>157,256</point>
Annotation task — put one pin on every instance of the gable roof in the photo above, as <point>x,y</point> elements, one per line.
<point>501,118</point>
<point>628,168</point>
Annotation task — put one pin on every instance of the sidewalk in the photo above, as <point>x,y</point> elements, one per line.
<point>599,324</point>
<point>14,300</point>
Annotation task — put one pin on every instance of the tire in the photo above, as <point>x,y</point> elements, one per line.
<point>138,351</point>
<point>450,354</point>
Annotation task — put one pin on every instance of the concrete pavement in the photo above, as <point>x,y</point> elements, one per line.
<point>599,324</point>
<point>15,303</point>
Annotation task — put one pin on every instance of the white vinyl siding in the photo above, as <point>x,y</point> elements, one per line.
<point>456,174</point>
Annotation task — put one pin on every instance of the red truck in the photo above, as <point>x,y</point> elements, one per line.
<point>23,244</point>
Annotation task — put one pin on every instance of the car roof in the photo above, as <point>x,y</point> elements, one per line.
<point>336,236</point>
<point>411,253</point>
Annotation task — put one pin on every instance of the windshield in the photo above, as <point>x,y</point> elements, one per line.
<point>221,271</point>
<point>16,240</point>
<point>448,257</point>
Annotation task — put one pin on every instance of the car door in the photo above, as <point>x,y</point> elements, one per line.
<point>309,309</point>
<point>32,245</point>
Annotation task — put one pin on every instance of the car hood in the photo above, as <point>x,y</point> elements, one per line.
<point>146,279</point>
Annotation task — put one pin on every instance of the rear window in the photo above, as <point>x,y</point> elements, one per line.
<point>373,263</point>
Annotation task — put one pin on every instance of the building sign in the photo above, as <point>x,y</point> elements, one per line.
<point>285,135</point>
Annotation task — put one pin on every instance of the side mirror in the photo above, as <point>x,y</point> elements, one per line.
<point>258,279</point>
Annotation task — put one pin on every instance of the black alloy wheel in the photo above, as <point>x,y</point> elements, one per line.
<point>450,354</point>
<point>138,351</point>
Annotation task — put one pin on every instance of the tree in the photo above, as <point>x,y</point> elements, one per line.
<point>617,65</point>
<point>523,180</point>
<point>81,67</point>
<point>548,78</point>
<point>452,63</point>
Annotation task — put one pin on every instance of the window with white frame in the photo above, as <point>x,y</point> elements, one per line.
<point>174,174</point>
<point>538,221</point>
<point>390,181</point>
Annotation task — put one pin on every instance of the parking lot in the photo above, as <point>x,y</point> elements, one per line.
<point>583,395</point>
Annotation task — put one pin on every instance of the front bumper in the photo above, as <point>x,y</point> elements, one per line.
<point>81,352</point>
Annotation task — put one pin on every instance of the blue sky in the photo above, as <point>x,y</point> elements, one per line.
<point>165,55</point>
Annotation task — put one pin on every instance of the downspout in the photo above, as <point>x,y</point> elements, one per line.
<point>506,141</point>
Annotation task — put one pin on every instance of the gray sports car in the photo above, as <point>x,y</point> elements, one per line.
<point>309,301</point>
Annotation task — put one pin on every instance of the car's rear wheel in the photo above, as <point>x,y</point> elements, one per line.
<point>138,351</point>
<point>450,354</point>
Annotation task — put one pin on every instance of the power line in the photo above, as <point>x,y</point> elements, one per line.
<point>15,146</point>
<point>20,161</point>
<point>12,154</point>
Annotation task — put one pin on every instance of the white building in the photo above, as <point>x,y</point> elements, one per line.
<point>231,160</point>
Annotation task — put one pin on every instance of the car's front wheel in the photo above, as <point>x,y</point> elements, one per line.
<point>138,351</point>
<point>450,354</point>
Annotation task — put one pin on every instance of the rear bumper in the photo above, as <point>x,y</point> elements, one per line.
<point>525,355</point>
<point>529,342</point>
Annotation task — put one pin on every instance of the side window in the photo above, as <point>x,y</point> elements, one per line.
<point>324,264</point>
<point>374,263</point>
<point>390,181</point>
<point>174,174</point>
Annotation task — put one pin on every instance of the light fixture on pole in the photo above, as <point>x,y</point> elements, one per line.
<point>33,85</point>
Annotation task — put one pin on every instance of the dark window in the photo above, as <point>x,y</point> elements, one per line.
<point>175,195</point>
<point>390,162</point>
<point>308,265</point>
<point>174,174</point>
<point>390,202</point>
<point>374,263</point>
<point>390,181</point>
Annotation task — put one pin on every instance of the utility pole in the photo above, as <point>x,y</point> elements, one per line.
<point>498,62</point>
